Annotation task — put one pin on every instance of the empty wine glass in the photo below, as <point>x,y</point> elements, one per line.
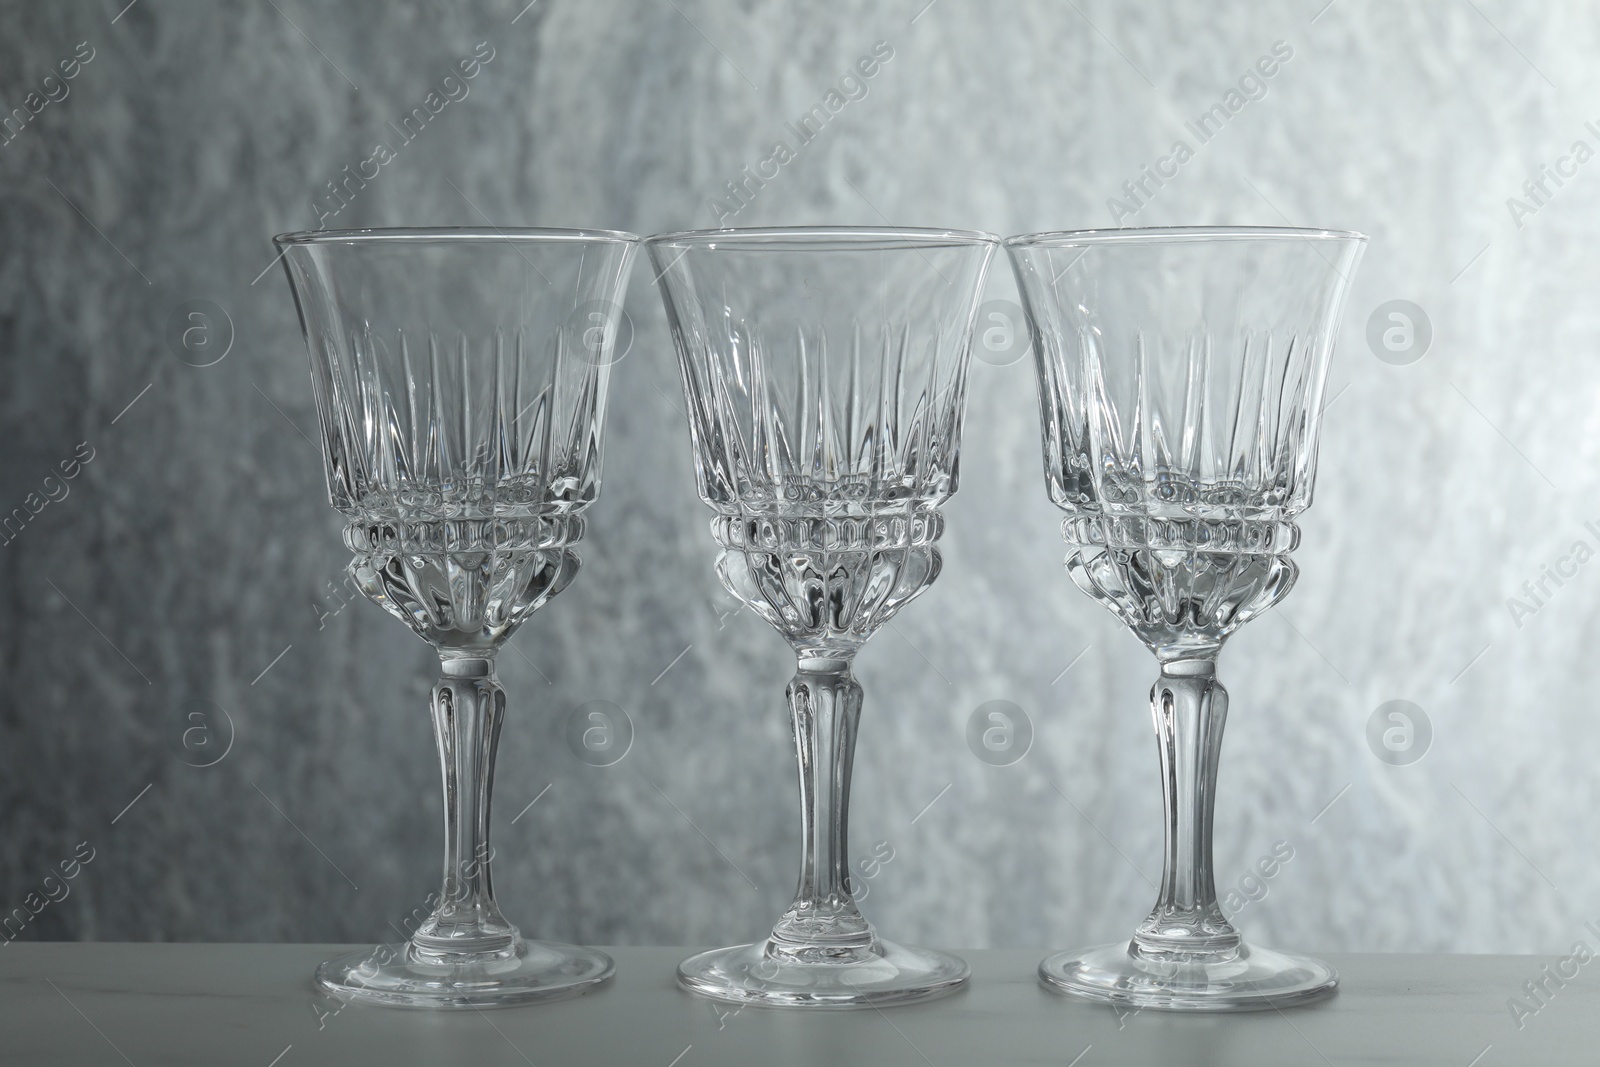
<point>1180,388</point>
<point>825,372</point>
<point>460,379</point>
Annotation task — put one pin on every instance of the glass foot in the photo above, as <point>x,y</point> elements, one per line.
<point>885,974</point>
<point>1250,980</point>
<point>399,976</point>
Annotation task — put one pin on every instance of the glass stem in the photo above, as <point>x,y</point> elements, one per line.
<point>823,923</point>
<point>1190,708</point>
<point>468,709</point>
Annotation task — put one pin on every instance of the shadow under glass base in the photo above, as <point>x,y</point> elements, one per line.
<point>886,974</point>
<point>399,976</point>
<point>1253,979</point>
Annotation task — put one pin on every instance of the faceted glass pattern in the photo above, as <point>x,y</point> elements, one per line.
<point>825,372</point>
<point>478,395</point>
<point>1180,388</point>
<point>460,378</point>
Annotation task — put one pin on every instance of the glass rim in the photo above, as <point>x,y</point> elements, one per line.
<point>1154,234</point>
<point>824,238</point>
<point>460,234</point>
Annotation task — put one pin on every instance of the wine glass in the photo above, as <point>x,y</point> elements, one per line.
<point>1180,388</point>
<point>825,373</point>
<point>460,379</point>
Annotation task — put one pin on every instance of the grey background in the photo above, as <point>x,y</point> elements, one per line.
<point>197,545</point>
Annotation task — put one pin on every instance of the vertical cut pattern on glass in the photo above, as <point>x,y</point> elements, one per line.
<point>1180,390</point>
<point>460,379</point>
<point>461,384</point>
<point>826,380</point>
<point>825,373</point>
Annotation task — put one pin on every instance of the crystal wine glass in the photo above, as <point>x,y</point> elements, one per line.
<point>1180,388</point>
<point>460,379</point>
<point>825,373</point>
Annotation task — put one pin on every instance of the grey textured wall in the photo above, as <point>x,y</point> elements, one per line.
<point>194,549</point>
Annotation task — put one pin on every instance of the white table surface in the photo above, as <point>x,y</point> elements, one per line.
<point>178,1004</point>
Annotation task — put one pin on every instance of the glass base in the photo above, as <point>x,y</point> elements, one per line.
<point>1252,979</point>
<point>886,974</point>
<point>398,976</point>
